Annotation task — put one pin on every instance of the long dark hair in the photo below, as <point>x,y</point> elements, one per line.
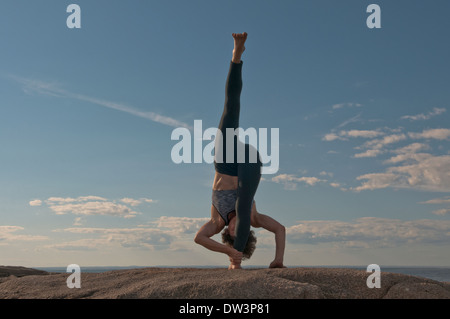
<point>227,239</point>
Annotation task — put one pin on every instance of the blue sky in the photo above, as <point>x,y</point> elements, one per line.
<point>86,117</point>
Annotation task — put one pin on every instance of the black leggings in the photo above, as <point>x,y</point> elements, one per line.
<point>249,172</point>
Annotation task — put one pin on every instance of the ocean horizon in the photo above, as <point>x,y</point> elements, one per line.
<point>438,273</point>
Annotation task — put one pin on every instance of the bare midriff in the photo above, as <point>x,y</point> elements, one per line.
<point>225,182</point>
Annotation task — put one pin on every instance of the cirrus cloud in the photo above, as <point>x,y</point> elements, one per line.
<point>53,89</point>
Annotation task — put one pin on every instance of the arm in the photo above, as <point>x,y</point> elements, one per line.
<point>203,238</point>
<point>270,224</point>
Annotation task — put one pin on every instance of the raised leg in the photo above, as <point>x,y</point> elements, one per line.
<point>232,107</point>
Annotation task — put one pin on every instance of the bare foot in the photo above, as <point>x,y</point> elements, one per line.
<point>276,264</point>
<point>239,47</point>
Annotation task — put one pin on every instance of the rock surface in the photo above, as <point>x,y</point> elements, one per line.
<point>18,271</point>
<point>218,283</point>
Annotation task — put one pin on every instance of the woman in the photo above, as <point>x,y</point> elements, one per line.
<point>235,184</point>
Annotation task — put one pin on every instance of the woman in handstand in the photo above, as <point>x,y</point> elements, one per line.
<point>235,184</point>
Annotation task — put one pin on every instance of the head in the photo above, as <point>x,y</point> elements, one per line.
<point>229,234</point>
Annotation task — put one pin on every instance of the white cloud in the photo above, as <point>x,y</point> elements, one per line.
<point>8,235</point>
<point>138,237</point>
<point>368,153</point>
<point>170,232</point>
<point>422,171</point>
<point>336,185</point>
<point>160,234</point>
<point>61,200</point>
<point>94,208</point>
<point>290,181</point>
<point>77,221</point>
<point>361,133</point>
<point>409,152</point>
<point>342,105</point>
<point>440,201</point>
<point>410,166</point>
<point>95,205</point>
<point>412,148</point>
<point>442,212</point>
<point>87,244</point>
<point>370,232</point>
<point>436,111</point>
<point>406,157</point>
<point>136,202</point>
<point>378,144</point>
<point>36,202</point>
<point>324,173</point>
<point>415,168</point>
<point>445,200</point>
<point>431,173</point>
<point>331,137</point>
<point>131,201</point>
<point>376,181</point>
<point>344,135</point>
<point>87,198</point>
<point>437,133</point>
<point>180,225</point>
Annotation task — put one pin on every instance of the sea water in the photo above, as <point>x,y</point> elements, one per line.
<point>434,273</point>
